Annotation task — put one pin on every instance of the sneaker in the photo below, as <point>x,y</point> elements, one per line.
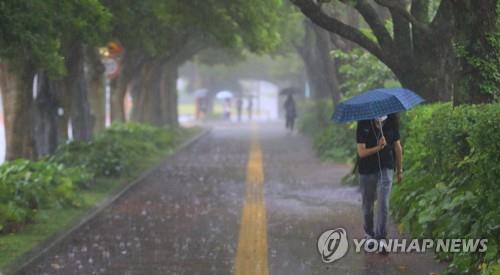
<point>370,243</point>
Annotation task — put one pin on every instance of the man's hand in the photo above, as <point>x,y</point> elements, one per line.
<point>399,176</point>
<point>382,143</point>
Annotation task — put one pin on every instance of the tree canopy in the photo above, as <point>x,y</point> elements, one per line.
<point>34,31</point>
<point>420,48</point>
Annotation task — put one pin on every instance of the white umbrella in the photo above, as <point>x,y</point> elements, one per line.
<point>224,95</point>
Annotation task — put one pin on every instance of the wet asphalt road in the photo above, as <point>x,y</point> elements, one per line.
<point>186,217</point>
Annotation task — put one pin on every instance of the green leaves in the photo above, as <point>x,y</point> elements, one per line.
<point>361,71</point>
<point>113,152</point>
<point>27,186</point>
<point>161,27</point>
<point>33,32</point>
<point>331,141</point>
<point>451,184</point>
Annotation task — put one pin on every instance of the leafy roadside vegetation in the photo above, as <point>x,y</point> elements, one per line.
<point>450,189</point>
<point>39,198</point>
<point>26,187</point>
<point>116,150</point>
<point>451,180</point>
<point>331,141</point>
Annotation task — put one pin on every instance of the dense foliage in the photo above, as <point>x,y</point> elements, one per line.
<point>34,31</point>
<point>451,180</point>
<point>26,186</point>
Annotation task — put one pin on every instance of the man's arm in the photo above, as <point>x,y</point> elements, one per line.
<point>364,152</point>
<point>398,149</point>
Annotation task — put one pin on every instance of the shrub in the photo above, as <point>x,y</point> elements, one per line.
<point>332,141</point>
<point>451,180</point>
<point>337,142</point>
<point>26,186</point>
<point>314,116</point>
<point>116,150</point>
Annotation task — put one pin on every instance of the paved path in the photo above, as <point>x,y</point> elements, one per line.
<point>243,200</point>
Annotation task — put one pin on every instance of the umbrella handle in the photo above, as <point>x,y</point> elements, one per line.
<point>381,129</point>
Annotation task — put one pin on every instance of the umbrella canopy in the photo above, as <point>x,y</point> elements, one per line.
<point>224,95</point>
<point>375,103</point>
<point>289,91</point>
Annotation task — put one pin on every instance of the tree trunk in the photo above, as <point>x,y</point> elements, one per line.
<point>46,118</point>
<point>131,69</point>
<point>476,82</point>
<point>17,95</point>
<point>169,95</point>
<point>135,93</point>
<point>64,110</point>
<point>118,90</point>
<point>96,87</point>
<point>319,65</point>
<point>429,77</point>
<point>81,121</point>
<point>327,63</point>
<point>157,104</point>
<point>155,109</point>
<point>143,110</point>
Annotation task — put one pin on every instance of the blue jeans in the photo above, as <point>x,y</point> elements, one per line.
<point>376,186</point>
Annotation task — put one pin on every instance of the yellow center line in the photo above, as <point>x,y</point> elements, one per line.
<point>251,256</point>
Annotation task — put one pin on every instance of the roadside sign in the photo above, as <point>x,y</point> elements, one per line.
<point>112,67</point>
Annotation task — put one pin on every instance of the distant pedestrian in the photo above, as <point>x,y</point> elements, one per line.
<point>290,112</point>
<point>239,107</point>
<point>250,108</point>
<point>227,109</point>
<point>203,107</point>
<point>380,153</point>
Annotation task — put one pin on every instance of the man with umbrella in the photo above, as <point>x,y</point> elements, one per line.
<point>379,150</point>
<point>290,107</point>
<point>379,155</point>
<point>290,112</point>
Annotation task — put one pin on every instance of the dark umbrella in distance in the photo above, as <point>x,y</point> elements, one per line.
<point>289,91</point>
<point>375,103</point>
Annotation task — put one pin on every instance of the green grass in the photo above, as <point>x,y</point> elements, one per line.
<point>186,109</point>
<point>51,221</point>
<point>189,109</point>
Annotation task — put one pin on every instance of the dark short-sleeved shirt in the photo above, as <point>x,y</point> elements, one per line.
<point>367,134</point>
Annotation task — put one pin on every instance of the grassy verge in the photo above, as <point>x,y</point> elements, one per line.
<point>48,222</point>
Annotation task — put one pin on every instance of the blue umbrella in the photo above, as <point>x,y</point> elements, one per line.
<point>375,103</point>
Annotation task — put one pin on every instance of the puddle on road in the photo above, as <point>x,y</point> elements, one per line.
<point>312,200</point>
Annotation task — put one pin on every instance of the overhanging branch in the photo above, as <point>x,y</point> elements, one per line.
<point>371,17</point>
<point>310,9</point>
<point>397,7</point>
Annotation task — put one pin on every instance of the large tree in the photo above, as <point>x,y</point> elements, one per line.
<point>419,48</point>
<point>32,35</point>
